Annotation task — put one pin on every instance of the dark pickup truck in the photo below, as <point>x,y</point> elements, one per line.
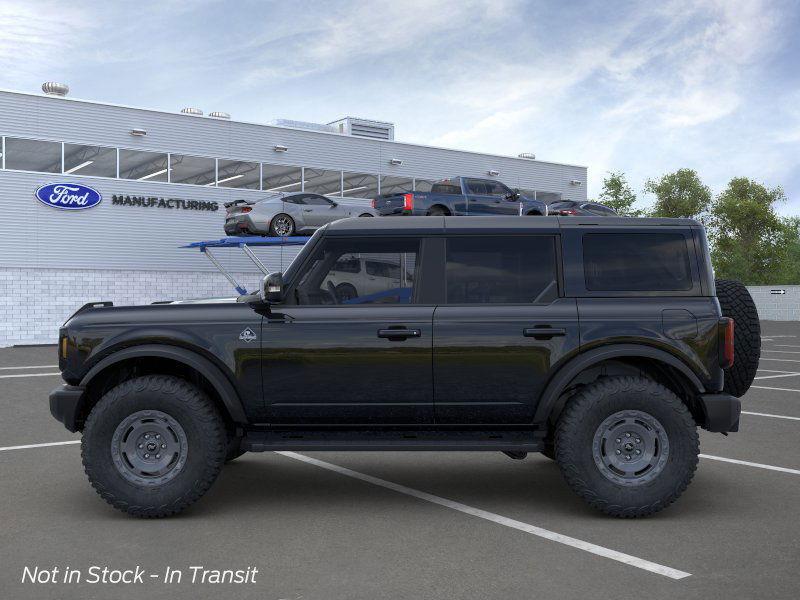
<point>602,342</point>
<point>460,196</point>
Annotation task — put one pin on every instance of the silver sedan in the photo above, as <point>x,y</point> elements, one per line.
<point>286,214</point>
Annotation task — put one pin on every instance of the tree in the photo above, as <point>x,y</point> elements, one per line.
<point>617,194</point>
<point>679,195</point>
<point>750,241</point>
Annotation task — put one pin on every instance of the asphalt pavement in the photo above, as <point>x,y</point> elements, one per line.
<point>406,524</point>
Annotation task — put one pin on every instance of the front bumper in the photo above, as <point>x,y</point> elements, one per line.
<point>65,404</point>
<point>721,411</point>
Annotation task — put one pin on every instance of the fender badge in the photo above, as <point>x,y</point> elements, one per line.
<point>248,335</point>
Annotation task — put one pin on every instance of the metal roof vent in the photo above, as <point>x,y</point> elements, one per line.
<point>219,115</point>
<point>303,125</point>
<point>192,111</point>
<point>51,88</point>
<point>377,130</point>
<point>527,155</point>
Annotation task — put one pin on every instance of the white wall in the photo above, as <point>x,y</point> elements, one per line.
<point>777,307</point>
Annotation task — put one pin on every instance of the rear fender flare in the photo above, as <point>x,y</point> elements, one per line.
<point>205,367</point>
<point>581,362</point>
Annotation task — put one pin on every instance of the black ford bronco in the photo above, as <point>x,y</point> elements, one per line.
<point>602,343</point>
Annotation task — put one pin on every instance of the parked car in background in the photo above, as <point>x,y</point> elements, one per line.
<point>375,278</point>
<point>566,208</point>
<point>287,213</point>
<point>461,196</point>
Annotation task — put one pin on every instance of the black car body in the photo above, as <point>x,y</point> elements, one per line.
<point>574,208</point>
<point>460,196</point>
<point>493,326</point>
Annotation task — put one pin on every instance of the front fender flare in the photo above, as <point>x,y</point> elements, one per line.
<point>585,360</point>
<point>202,365</point>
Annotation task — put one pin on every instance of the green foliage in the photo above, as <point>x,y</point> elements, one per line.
<point>750,241</point>
<point>679,195</point>
<point>617,194</point>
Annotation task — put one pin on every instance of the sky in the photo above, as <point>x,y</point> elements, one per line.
<point>639,87</point>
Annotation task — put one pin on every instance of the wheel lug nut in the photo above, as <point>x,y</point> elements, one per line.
<point>141,445</point>
<point>619,451</point>
<point>163,445</point>
<point>627,435</point>
<point>627,456</point>
<point>618,440</point>
<point>147,436</point>
<point>158,436</point>
<point>147,456</point>
<point>158,456</point>
<point>638,452</point>
<point>638,441</point>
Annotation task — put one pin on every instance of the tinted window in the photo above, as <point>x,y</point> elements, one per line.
<point>501,270</point>
<point>90,160</point>
<point>495,188</point>
<point>33,155</point>
<point>316,200</point>
<point>476,186</point>
<point>334,275</point>
<point>445,187</point>
<point>636,262</point>
<point>600,209</point>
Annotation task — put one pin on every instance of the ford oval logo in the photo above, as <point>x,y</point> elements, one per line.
<point>68,196</point>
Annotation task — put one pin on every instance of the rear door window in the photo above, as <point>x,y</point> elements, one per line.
<point>616,262</point>
<point>501,270</point>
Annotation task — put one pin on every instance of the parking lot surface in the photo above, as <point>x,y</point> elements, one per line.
<point>412,524</point>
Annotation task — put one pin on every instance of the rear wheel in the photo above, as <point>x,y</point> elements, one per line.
<point>153,445</point>
<point>366,215</point>
<point>437,211</point>
<point>736,303</point>
<point>627,445</point>
<point>282,225</point>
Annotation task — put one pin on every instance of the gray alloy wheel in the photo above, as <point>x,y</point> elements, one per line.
<point>282,225</point>
<point>149,448</point>
<point>630,447</point>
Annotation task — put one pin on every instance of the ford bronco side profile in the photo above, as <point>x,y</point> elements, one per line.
<point>601,342</point>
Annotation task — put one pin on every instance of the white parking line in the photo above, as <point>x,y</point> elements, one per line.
<point>763,387</point>
<point>776,376</point>
<point>28,375</point>
<point>779,336</point>
<point>627,559</point>
<point>29,367</point>
<point>780,359</point>
<point>757,414</point>
<point>781,351</point>
<point>39,445</point>
<point>785,346</point>
<point>751,464</point>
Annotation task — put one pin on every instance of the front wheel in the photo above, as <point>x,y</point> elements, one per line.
<point>153,445</point>
<point>627,445</point>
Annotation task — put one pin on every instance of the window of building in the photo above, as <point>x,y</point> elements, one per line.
<point>97,161</point>
<point>501,270</point>
<point>195,170</point>
<point>360,185</point>
<point>322,181</point>
<point>33,155</point>
<point>280,178</point>
<point>335,275</point>
<point>238,174</point>
<point>144,166</point>
<point>396,185</point>
<point>616,262</point>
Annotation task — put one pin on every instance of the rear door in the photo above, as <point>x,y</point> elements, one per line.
<point>488,197</point>
<point>502,327</point>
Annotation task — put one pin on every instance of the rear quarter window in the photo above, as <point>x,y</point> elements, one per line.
<point>617,262</point>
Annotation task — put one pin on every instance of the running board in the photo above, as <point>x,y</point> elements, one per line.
<point>494,441</point>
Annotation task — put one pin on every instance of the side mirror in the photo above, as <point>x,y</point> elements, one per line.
<point>334,204</point>
<point>272,288</point>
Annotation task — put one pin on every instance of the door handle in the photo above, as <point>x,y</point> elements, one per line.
<point>398,335</point>
<point>308,209</point>
<point>543,333</point>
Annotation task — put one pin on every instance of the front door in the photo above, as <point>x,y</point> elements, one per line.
<point>319,210</point>
<point>502,328</point>
<point>349,347</point>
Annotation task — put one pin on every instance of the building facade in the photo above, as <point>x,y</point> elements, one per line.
<point>163,179</point>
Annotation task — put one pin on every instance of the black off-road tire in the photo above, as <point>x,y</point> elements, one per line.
<point>204,437</point>
<point>585,414</point>
<point>736,303</point>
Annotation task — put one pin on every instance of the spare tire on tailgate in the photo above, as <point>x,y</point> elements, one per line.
<point>736,303</point>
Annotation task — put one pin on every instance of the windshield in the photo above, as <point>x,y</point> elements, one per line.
<point>288,274</point>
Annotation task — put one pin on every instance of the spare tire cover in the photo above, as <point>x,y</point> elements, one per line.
<point>736,303</point>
